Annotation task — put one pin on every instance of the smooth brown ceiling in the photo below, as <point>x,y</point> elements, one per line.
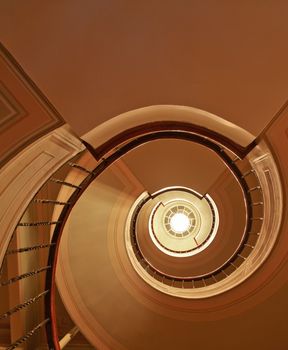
<point>97,59</point>
<point>165,163</point>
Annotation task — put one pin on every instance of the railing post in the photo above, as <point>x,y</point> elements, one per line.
<point>68,337</point>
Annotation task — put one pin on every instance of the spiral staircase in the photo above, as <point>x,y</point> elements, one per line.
<point>64,205</point>
<point>91,254</point>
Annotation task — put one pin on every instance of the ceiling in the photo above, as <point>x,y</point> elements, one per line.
<point>102,58</point>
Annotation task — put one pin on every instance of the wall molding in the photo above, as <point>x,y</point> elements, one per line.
<point>25,112</point>
<point>22,177</point>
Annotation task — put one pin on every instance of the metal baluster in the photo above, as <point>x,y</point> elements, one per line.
<point>27,335</point>
<point>39,223</point>
<point>23,305</point>
<point>252,171</point>
<point>249,245</point>
<point>254,233</point>
<point>241,256</point>
<point>254,189</point>
<point>27,249</point>
<point>68,337</point>
<point>64,183</point>
<point>235,160</point>
<point>214,278</point>
<point>24,275</point>
<point>50,201</point>
<point>257,203</point>
<point>74,165</point>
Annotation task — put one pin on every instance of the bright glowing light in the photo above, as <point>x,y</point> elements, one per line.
<point>180,223</point>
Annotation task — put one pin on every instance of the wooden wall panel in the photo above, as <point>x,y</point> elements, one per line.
<point>25,113</point>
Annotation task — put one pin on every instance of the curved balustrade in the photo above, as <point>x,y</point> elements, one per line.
<point>249,182</point>
<point>241,168</point>
<point>39,233</point>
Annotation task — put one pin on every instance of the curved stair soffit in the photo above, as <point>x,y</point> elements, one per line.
<point>109,137</point>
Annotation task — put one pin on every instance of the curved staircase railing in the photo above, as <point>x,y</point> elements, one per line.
<point>46,247</point>
<point>38,230</point>
<point>252,192</point>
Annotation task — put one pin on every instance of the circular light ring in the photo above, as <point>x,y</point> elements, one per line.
<point>196,238</point>
<point>179,221</point>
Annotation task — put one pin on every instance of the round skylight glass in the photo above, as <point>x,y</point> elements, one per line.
<point>179,223</point>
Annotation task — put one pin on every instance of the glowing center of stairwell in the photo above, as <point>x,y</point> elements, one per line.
<point>179,223</point>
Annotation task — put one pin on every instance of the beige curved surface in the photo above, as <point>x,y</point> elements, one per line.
<point>119,310</point>
<point>114,286</point>
<point>230,232</point>
<point>160,113</point>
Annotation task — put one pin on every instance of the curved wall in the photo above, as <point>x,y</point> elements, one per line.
<point>139,311</point>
